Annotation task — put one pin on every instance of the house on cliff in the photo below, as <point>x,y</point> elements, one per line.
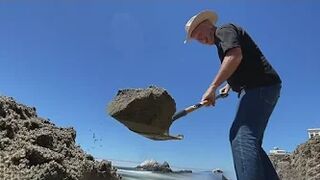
<point>313,132</point>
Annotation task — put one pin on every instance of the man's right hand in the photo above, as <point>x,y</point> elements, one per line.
<point>208,98</point>
<point>225,90</point>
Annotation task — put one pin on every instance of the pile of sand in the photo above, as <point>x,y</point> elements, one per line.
<point>302,164</point>
<point>34,148</point>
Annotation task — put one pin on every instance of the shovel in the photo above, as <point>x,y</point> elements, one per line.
<point>166,136</point>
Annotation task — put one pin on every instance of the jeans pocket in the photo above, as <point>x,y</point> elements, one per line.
<point>270,94</point>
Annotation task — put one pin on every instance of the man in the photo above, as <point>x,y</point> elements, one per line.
<point>247,72</point>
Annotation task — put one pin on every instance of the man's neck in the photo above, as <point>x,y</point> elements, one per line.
<point>214,30</point>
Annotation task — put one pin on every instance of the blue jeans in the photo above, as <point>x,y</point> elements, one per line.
<point>250,160</point>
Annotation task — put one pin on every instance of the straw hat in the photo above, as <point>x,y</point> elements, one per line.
<point>195,20</point>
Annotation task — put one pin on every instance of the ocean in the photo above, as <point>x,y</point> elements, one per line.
<point>131,174</point>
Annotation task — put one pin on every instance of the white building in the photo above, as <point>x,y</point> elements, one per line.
<point>313,132</point>
<point>278,151</point>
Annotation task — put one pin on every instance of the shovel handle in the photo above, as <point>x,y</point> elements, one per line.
<point>194,107</point>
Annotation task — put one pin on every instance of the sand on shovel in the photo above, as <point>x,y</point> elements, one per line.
<point>147,112</point>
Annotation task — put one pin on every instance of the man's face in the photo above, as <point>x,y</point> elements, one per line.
<point>204,33</point>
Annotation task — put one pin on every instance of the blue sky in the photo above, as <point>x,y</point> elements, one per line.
<point>68,59</point>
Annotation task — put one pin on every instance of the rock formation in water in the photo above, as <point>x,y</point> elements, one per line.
<point>152,165</point>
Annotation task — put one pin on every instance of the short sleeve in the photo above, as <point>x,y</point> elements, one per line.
<point>229,38</point>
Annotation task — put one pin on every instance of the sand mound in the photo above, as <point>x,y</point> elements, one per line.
<point>302,164</point>
<point>34,148</point>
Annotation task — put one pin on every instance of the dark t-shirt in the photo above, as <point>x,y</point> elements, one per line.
<point>254,69</point>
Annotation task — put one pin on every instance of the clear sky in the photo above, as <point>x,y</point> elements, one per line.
<point>69,58</point>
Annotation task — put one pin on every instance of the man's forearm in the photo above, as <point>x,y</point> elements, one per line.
<point>229,65</point>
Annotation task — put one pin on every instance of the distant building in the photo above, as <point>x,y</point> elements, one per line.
<point>277,151</point>
<point>313,132</point>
